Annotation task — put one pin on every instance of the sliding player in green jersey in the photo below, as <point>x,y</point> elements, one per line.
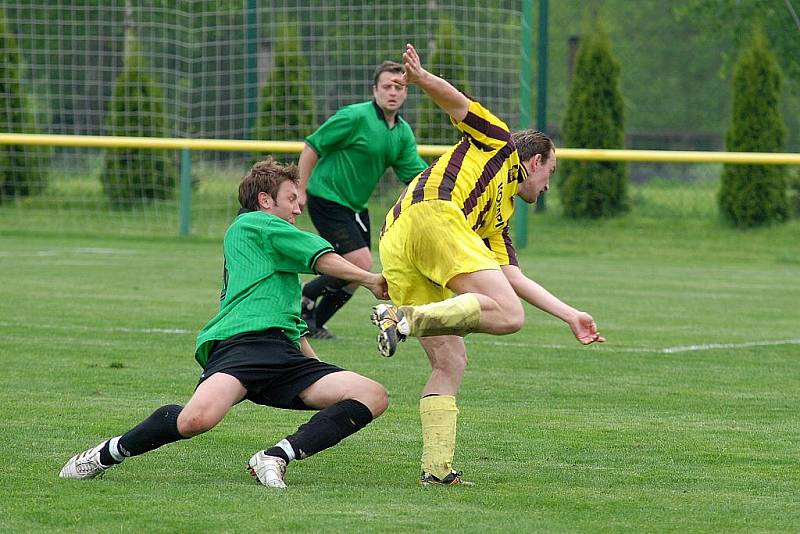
<point>448,234</point>
<point>255,347</point>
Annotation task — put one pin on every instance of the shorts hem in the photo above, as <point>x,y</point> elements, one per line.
<point>455,273</point>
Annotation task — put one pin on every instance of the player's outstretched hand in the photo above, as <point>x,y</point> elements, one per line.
<point>377,284</point>
<point>413,65</point>
<point>585,329</point>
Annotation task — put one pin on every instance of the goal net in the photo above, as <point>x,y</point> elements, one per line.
<point>246,69</point>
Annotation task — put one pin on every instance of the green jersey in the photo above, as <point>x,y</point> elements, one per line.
<point>355,147</point>
<point>261,286</point>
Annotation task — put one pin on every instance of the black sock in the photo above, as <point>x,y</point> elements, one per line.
<point>322,284</point>
<point>105,455</point>
<point>157,430</point>
<point>330,304</point>
<point>328,427</point>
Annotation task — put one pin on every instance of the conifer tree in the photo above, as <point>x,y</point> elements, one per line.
<point>447,61</point>
<point>287,102</point>
<point>594,119</point>
<point>23,168</point>
<point>754,195</point>
<point>133,176</point>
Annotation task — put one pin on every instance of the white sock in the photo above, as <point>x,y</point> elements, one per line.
<point>287,448</point>
<point>113,448</point>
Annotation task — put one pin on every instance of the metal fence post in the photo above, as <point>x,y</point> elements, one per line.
<point>521,213</point>
<point>186,192</point>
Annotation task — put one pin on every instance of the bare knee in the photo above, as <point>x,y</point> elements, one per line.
<point>512,319</point>
<point>379,400</point>
<point>192,424</point>
<point>374,396</point>
<point>510,325</point>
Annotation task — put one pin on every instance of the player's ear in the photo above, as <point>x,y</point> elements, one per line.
<point>264,200</point>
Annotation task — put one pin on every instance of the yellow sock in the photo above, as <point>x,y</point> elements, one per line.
<point>438,414</point>
<point>456,316</point>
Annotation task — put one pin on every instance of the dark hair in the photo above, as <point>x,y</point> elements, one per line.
<point>531,142</point>
<point>387,66</point>
<point>266,176</point>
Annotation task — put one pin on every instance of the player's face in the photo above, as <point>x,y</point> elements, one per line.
<point>286,205</point>
<point>538,180</point>
<point>388,94</point>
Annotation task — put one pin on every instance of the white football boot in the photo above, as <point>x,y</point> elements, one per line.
<point>85,465</point>
<point>268,470</point>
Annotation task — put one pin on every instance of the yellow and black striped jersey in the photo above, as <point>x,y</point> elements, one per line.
<point>480,175</point>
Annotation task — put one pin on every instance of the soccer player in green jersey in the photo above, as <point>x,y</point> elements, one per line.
<point>449,261</point>
<point>341,164</point>
<point>255,348</point>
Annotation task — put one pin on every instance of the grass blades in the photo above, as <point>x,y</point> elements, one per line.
<point>686,420</point>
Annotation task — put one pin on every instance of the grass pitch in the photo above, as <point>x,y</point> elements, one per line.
<point>686,420</point>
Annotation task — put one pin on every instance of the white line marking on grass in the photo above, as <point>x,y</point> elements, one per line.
<point>472,341</point>
<point>665,350</point>
<point>712,346</point>
<point>35,254</point>
<point>180,331</point>
<point>79,250</point>
<point>111,251</point>
<point>85,328</point>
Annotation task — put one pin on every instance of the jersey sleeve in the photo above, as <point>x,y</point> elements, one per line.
<point>503,249</point>
<point>409,164</point>
<point>486,130</point>
<point>333,132</point>
<point>295,251</point>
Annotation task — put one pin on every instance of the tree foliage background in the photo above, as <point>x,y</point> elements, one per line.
<point>753,195</point>
<point>135,176</point>
<point>447,61</point>
<point>22,167</point>
<point>286,109</point>
<point>595,119</point>
<point>677,58</point>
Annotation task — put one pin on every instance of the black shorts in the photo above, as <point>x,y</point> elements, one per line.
<point>269,366</point>
<point>344,228</point>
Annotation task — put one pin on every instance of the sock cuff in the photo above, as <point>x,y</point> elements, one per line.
<point>470,302</point>
<point>358,412</point>
<point>287,448</point>
<point>114,449</point>
<point>433,403</point>
<point>455,316</point>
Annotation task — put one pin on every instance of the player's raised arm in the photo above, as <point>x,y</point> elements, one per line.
<point>447,97</point>
<point>306,163</point>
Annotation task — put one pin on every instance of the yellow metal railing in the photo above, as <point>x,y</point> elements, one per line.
<point>288,147</point>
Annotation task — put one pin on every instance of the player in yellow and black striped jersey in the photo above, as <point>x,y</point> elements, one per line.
<point>480,175</point>
<point>448,234</point>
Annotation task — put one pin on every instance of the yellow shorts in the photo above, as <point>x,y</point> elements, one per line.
<point>425,248</point>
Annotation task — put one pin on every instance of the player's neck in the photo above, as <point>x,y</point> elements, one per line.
<point>390,117</point>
